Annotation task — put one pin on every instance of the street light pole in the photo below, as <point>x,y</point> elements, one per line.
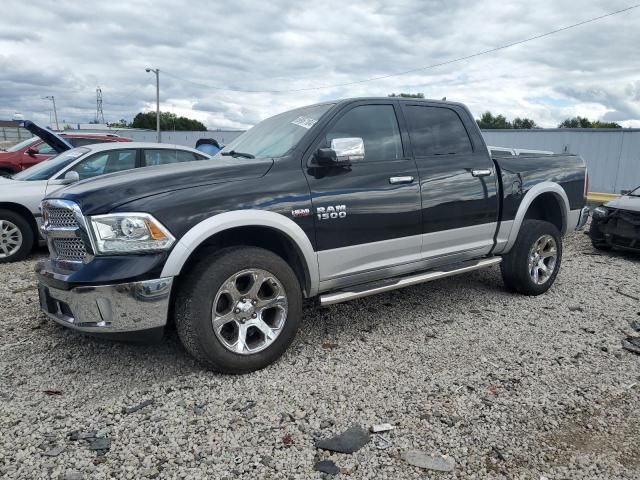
<point>157,72</point>
<point>55,112</point>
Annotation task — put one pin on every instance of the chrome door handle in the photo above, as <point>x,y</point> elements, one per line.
<point>397,180</point>
<point>485,172</point>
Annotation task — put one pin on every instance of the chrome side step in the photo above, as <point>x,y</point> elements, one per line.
<point>373,288</point>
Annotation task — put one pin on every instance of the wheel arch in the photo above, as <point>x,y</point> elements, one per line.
<point>258,228</point>
<point>536,205</point>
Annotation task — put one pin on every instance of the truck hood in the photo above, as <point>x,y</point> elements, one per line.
<point>52,139</point>
<point>625,202</point>
<point>104,193</point>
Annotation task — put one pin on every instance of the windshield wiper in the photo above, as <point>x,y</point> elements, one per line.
<point>235,154</point>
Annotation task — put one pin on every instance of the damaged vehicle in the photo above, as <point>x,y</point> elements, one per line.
<point>617,223</point>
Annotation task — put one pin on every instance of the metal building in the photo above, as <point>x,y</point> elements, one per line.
<point>612,155</point>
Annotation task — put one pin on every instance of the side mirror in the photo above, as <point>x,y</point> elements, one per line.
<point>343,151</point>
<point>348,149</point>
<point>32,152</point>
<point>71,177</point>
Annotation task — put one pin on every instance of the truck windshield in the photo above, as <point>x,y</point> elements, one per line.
<point>47,169</point>
<point>275,136</point>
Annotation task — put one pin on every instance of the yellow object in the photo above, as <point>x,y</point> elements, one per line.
<point>600,197</point>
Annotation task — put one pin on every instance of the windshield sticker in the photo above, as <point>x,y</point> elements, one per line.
<point>304,122</point>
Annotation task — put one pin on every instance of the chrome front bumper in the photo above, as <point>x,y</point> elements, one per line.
<point>126,307</point>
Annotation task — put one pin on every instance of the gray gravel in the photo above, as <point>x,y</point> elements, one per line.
<point>503,385</point>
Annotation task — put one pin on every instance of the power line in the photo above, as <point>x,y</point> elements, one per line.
<point>418,69</point>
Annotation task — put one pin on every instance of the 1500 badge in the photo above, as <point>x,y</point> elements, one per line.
<point>333,211</point>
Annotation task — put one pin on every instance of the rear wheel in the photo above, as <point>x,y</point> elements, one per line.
<point>239,309</point>
<point>16,237</point>
<point>533,263</point>
<point>6,173</point>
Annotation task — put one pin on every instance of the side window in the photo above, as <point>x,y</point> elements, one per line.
<point>161,156</point>
<point>436,131</point>
<point>183,156</point>
<point>377,125</point>
<point>44,149</point>
<point>106,162</point>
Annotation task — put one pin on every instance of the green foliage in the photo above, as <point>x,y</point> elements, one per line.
<point>122,123</point>
<point>489,121</point>
<point>168,121</point>
<point>524,123</point>
<point>408,95</point>
<point>583,122</point>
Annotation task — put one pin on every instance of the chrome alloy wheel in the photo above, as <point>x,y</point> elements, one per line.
<point>542,259</point>
<point>10,238</point>
<point>249,311</point>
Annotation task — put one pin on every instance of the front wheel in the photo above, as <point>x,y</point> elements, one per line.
<point>239,309</point>
<point>533,263</point>
<point>16,237</point>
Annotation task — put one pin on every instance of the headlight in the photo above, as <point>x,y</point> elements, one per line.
<point>129,233</point>
<point>600,211</point>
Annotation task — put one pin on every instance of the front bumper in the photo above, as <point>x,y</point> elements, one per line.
<point>120,308</point>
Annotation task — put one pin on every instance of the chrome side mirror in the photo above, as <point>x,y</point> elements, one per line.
<point>349,149</point>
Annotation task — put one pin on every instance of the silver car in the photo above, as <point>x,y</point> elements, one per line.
<point>20,195</point>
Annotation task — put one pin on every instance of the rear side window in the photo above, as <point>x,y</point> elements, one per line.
<point>166,156</point>
<point>81,142</point>
<point>377,125</point>
<point>436,131</point>
<point>106,162</point>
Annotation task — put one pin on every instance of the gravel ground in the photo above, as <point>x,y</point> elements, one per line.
<point>505,385</point>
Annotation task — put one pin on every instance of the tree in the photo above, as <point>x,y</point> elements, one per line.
<point>488,121</point>
<point>408,95</point>
<point>168,121</point>
<point>583,122</point>
<point>524,123</point>
<point>122,123</point>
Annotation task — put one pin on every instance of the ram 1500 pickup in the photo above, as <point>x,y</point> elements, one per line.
<point>332,202</point>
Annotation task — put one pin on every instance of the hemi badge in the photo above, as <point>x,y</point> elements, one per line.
<point>300,212</point>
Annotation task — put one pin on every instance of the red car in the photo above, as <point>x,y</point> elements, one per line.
<point>34,150</point>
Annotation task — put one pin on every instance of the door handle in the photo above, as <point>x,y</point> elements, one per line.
<point>483,172</point>
<point>399,180</point>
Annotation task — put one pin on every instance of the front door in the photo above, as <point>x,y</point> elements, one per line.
<point>457,180</point>
<point>367,216</point>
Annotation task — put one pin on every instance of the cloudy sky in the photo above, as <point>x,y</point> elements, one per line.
<point>67,48</point>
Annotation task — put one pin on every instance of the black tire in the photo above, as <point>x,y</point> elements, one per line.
<point>194,305</point>
<point>597,239</point>
<point>515,265</point>
<point>26,233</point>
<point>6,173</point>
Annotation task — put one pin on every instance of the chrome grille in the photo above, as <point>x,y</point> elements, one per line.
<point>65,229</point>
<point>61,217</point>
<point>71,249</point>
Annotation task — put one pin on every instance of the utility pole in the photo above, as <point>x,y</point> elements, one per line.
<point>55,112</point>
<point>157,72</point>
<point>99,112</point>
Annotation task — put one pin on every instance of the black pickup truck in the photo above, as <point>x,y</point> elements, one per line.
<point>333,202</point>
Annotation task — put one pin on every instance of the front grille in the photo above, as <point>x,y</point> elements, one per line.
<point>61,217</point>
<point>65,231</point>
<point>71,249</point>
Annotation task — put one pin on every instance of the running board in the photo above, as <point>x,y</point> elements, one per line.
<point>386,285</point>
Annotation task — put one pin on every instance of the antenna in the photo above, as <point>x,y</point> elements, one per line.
<point>99,112</point>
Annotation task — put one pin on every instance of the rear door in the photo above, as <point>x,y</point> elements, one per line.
<point>458,181</point>
<point>367,215</point>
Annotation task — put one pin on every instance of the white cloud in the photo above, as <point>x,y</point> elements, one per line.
<point>66,49</point>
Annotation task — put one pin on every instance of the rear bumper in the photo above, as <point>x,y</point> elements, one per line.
<point>120,308</point>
